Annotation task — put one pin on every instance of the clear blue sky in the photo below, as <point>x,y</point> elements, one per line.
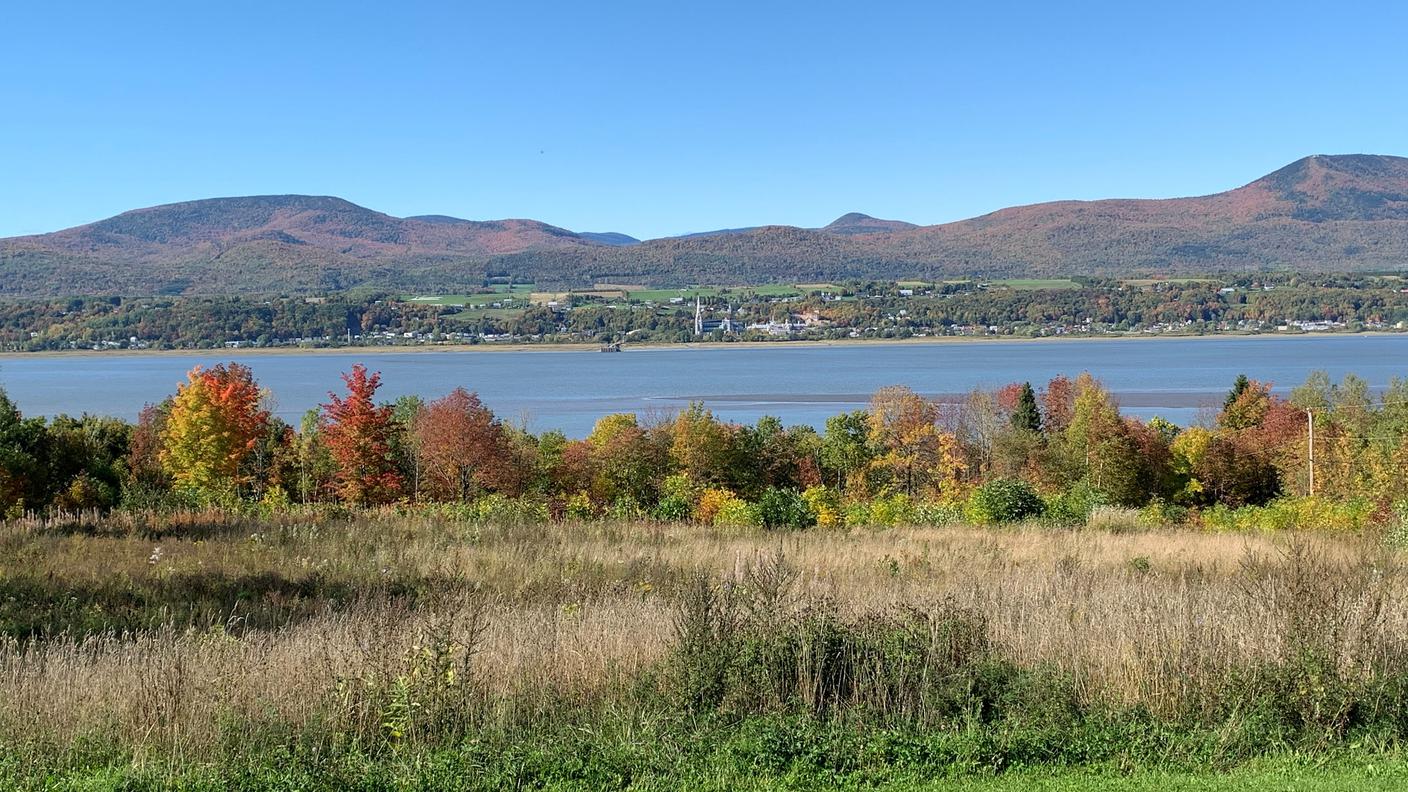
<point>656,118</point>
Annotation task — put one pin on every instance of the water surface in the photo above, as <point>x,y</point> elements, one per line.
<point>569,390</point>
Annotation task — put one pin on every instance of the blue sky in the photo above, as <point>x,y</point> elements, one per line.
<point>661,118</point>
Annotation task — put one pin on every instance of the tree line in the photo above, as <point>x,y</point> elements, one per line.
<point>1018,452</point>
<point>865,307</point>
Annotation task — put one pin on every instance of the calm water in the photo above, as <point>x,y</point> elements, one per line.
<point>800,384</point>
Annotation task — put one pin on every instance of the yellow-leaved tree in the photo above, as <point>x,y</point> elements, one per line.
<point>214,422</point>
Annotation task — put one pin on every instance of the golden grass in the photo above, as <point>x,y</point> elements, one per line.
<point>1152,618</point>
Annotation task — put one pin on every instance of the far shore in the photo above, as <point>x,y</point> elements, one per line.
<point>595,347</point>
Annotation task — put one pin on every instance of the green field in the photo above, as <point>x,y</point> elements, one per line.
<point>711,292</point>
<point>1033,284</point>
<point>468,300</point>
<point>1156,281</point>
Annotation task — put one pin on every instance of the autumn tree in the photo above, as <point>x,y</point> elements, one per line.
<point>22,457</point>
<point>1246,405</point>
<point>213,424</point>
<point>625,461</point>
<point>700,445</point>
<point>459,445</point>
<point>1122,459</point>
<point>357,433</point>
<point>915,455</point>
<point>845,446</point>
<point>1058,404</point>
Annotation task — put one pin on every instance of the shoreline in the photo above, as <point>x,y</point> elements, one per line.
<point>594,347</point>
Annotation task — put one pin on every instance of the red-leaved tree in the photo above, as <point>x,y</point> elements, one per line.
<point>357,433</point>
<point>461,447</point>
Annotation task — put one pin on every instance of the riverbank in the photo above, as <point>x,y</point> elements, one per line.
<point>596,347</point>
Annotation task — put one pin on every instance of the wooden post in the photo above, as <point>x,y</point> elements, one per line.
<point>1310,416</point>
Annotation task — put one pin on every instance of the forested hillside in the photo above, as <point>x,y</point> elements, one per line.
<point>1319,214</point>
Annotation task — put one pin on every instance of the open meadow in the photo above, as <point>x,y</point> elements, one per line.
<point>417,649</point>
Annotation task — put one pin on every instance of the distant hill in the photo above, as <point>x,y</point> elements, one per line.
<point>857,223</point>
<point>609,237</point>
<point>1320,213</point>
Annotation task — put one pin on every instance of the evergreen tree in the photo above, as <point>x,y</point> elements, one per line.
<point>1238,388</point>
<point>1026,415</point>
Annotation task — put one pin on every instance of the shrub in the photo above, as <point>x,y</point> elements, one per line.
<point>1072,507</point>
<point>895,509</point>
<point>784,509</point>
<point>504,510</point>
<point>673,508</point>
<point>825,505</point>
<point>627,509</point>
<point>1003,501</point>
<point>1162,512</point>
<point>937,513</point>
<point>1291,514</point>
<point>709,503</point>
<point>679,486</point>
<point>580,507</point>
<point>734,512</point>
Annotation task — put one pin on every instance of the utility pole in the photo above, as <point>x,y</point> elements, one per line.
<point>1310,425</point>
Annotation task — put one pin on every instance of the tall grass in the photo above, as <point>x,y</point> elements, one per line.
<point>175,640</point>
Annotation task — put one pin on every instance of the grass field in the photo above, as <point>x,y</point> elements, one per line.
<point>1033,284</point>
<point>1156,281</point>
<point>425,649</point>
<point>689,293</point>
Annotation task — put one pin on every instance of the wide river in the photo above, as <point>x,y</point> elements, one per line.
<point>568,390</point>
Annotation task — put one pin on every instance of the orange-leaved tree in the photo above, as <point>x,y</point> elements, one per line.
<point>460,445</point>
<point>357,433</point>
<point>214,421</point>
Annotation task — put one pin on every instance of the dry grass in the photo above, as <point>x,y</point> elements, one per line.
<point>520,617</point>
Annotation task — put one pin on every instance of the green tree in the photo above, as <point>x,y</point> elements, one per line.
<point>1026,416</point>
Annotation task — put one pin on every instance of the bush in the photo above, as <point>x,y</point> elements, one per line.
<point>784,509</point>
<point>1160,512</point>
<point>626,509</point>
<point>1072,507</point>
<point>895,509</point>
<point>1293,514</point>
<point>504,510</point>
<point>734,512</point>
<point>932,513</point>
<point>1003,501</point>
<point>680,487</point>
<point>580,507</point>
<point>673,508</point>
<point>825,504</point>
<point>709,503</point>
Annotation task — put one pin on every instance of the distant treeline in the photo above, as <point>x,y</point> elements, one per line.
<point>833,311</point>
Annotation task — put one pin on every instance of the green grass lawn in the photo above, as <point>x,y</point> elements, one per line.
<point>1033,284</point>
<point>1154,281</point>
<point>707,292</point>
<point>484,301</point>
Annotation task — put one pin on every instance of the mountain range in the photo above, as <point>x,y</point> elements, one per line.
<point>1319,214</point>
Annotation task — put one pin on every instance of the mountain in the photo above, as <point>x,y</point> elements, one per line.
<point>609,238</point>
<point>1320,213</point>
<point>857,223</point>
<point>266,242</point>
<point>717,232</point>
